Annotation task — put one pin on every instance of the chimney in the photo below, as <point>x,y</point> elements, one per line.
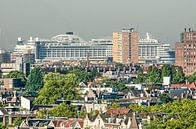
<point>187,82</point>
<point>148,119</point>
<point>182,96</point>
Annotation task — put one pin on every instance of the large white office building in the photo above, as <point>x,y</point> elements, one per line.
<point>151,51</point>
<point>66,47</point>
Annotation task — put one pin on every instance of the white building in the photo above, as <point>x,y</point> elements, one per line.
<point>2,51</point>
<point>23,47</point>
<point>26,102</point>
<point>66,47</point>
<point>151,51</point>
<point>6,68</point>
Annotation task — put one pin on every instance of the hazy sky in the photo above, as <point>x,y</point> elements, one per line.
<point>164,19</point>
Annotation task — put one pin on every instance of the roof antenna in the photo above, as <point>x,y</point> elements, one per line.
<point>147,36</point>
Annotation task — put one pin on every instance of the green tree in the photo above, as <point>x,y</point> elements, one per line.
<point>35,80</point>
<point>140,77</point>
<point>17,122</point>
<point>58,86</point>
<point>154,75</point>
<point>180,114</point>
<point>139,108</point>
<point>17,74</point>
<point>113,106</point>
<point>120,65</point>
<point>42,114</point>
<point>92,75</point>
<point>191,78</point>
<point>165,98</point>
<point>165,71</point>
<point>80,74</point>
<point>83,76</point>
<point>120,86</point>
<point>178,75</point>
<point>93,113</point>
<point>63,110</point>
<point>3,126</point>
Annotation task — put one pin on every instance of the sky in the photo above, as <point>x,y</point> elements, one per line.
<point>164,19</point>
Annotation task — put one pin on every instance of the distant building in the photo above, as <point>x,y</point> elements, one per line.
<point>23,66</point>
<point>27,102</point>
<point>29,58</point>
<point>60,51</point>
<point>185,52</point>
<point>18,66</point>
<point>2,51</point>
<point>184,86</point>
<point>64,47</point>
<point>11,83</point>
<point>8,67</point>
<point>5,57</point>
<point>125,46</point>
<point>151,51</point>
<point>119,118</point>
<point>23,48</point>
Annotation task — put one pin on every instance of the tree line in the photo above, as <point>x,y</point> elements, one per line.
<point>155,75</point>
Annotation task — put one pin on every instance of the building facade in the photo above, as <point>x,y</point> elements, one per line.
<point>61,51</point>
<point>65,47</point>
<point>29,58</point>
<point>151,51</point>
<point>5,57</point>
<point>185,52</point>
<point>125,46</point>
<point>19,65</point>
<point>23,47</point>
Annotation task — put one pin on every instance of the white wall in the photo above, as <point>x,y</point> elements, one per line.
<point>25,103</point>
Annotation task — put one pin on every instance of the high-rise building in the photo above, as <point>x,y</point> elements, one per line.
<point>125,46</point>
<point>185,52</point>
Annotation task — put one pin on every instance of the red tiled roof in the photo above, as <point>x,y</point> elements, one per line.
<point>69,122</point>
<point>133,75</point>
<point>191,86</point>
<point>81,122</point>
<point>57,123</point>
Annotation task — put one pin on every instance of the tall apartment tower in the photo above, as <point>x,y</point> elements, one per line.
<point>185,52</point>
<point>125,46</point>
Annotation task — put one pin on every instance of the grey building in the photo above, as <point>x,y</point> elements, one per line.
<point>29,58</point>
<point>55,50</point>
<point>5,57</point>
<point>151,51</point>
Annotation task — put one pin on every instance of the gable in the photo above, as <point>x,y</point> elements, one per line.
<point>77,125</point>
<point>24,124</point>
<point>51,124</point>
